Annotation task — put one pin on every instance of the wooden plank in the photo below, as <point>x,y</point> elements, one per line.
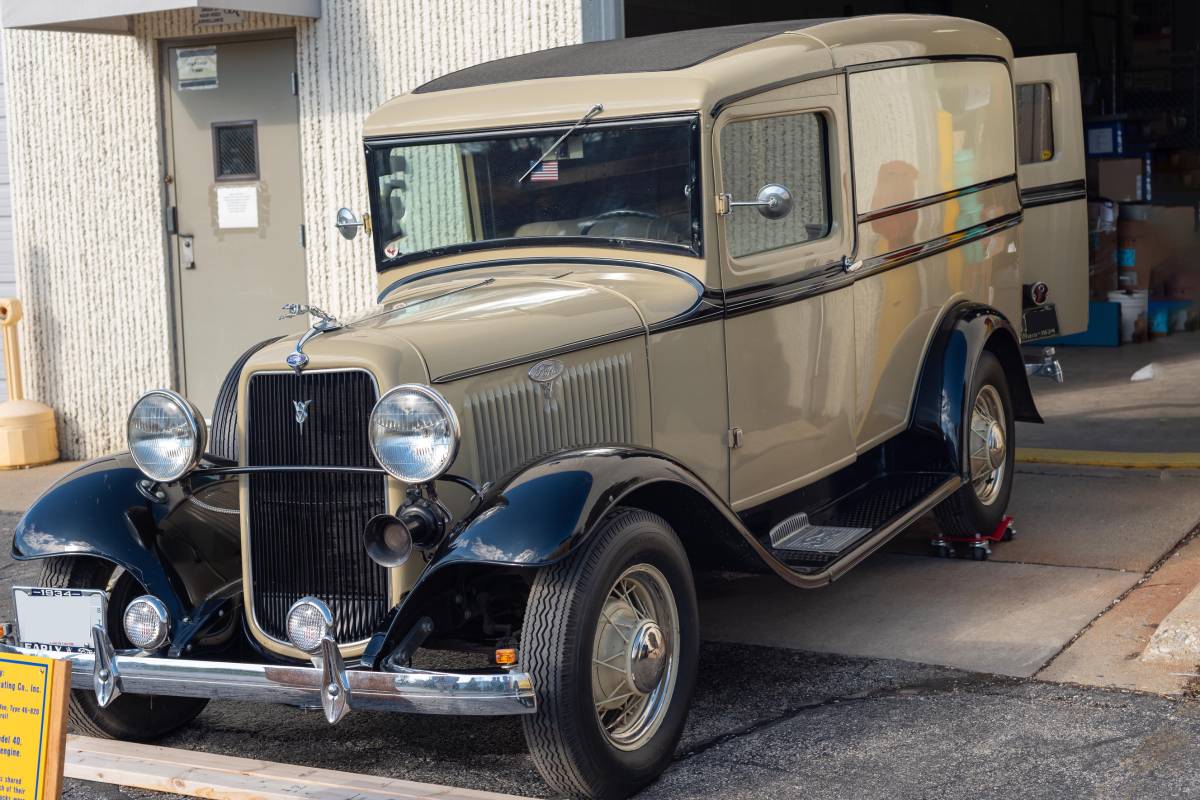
<point>1105,458</point>
<point>56,737</point>
<point>198,774</point>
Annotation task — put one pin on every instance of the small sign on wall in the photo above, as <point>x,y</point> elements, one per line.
<point>196,68</point>
<point>217,16</point>
<point>237,207</point>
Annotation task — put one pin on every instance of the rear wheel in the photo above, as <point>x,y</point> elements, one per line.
<point>610,641</point>
<point>139,718</point>
<point>988,441</point>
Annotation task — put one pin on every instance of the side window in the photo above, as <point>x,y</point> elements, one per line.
<point>1035,129</point>
<point>791,151</point>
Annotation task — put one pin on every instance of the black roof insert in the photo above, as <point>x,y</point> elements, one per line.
<point>660,52</point>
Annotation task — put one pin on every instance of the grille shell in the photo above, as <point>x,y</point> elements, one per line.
<point>304,530</point>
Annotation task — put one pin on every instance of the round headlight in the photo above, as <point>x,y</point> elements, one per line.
<point>414,433</point>
<point>167,435</point>
<point>146,623</point>
<point>308,622</point>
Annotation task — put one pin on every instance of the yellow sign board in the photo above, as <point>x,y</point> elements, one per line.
<point>33,726</point>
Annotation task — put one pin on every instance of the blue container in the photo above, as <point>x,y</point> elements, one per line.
<point>1104,329</point>
<point>1160,317</point>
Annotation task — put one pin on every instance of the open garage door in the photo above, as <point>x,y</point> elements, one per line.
<point>1053,191</point>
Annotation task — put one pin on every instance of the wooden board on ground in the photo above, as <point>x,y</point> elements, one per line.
<point>197,774</point>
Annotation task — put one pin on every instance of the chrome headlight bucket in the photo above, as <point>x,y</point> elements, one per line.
<point>414,433</point>
<point>166,435</point>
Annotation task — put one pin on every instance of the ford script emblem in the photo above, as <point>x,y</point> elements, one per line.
<point>544,374</point>
<point>297,361</point>
<point>547,371</point>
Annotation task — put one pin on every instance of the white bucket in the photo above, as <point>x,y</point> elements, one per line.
<point>1135,312</point>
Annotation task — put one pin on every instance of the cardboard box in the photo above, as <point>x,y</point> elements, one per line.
<point>1119,179</point>
<point>1148,238</point>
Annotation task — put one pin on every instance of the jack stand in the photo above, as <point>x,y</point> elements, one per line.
<point>1048,367</point>
<point>979,546</point>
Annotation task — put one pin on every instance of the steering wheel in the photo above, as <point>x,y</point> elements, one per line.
<point>586,225</point>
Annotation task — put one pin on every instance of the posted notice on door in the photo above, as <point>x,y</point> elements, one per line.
<point>237,207</point>
<point>33,726</point>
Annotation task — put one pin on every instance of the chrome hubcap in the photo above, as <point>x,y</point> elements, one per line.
<point>988,445</point>
<point>633,656</point>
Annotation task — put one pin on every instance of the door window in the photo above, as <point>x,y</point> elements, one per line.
<point>1035,128</point>
<point>235,150</point>
<point>787,150</point>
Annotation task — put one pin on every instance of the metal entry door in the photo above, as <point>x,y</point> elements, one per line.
<point>233,154</point>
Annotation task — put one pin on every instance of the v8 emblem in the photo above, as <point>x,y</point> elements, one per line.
<point>301,407</point>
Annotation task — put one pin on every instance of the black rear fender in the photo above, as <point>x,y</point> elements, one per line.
<point>943,391</point>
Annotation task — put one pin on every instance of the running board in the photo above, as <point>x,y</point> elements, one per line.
<point>833,538</point>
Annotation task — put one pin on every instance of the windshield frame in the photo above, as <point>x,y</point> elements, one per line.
<point>696,248</point>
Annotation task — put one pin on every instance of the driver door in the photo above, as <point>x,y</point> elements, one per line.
<point>789,336</point>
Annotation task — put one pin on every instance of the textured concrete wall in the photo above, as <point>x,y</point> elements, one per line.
<point>87,172</point>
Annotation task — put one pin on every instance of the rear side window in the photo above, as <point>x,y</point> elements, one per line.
<point>924,129</point>
<point>1035,129</point>
<point>787,150</point>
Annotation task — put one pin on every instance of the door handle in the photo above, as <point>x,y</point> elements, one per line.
<point>187,252</point>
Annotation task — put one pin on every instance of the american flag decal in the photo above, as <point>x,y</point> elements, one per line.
<point>545,171</point>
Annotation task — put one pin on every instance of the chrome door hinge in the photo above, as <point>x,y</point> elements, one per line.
<point>723,204</point>
<point>734,438</point>
<point>295,84</point>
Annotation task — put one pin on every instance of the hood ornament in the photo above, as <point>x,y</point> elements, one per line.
<point>322,323</point>
<point>545,374</point>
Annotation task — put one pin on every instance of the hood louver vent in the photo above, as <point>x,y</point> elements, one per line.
<point>592,405</point>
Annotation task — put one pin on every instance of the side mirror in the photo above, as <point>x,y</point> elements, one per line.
<point>348,223</point>
<point>774,201</point>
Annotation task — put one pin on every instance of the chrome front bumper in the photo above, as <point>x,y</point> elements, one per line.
<point>411,691</point>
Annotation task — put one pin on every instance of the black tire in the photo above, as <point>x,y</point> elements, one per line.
<point>963,513</point>
<point>136,718</point>
<point>565,738</point>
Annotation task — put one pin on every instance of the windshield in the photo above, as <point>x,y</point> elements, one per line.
<point>629,182</point>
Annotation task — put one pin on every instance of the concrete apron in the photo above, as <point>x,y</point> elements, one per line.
<point>1085,539</point>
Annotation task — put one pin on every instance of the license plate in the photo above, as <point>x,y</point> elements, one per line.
<point>1038,323</point>
<point>58,620</point>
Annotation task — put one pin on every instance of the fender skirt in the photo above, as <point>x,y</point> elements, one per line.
<point>182,553</point>
<point>943,393</point>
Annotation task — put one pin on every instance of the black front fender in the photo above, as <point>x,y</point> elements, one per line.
<point>179,553</point>
<point>544,512</point>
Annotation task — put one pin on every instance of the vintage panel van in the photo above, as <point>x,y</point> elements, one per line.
<point>749,298</point>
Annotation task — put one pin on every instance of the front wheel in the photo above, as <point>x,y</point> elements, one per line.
<point>610,640</point>
<point>989,444</point>
<point>138,718</point>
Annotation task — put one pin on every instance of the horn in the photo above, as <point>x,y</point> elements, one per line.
<point>387,540</point>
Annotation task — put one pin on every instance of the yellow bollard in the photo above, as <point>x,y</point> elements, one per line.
<point>28,435</point>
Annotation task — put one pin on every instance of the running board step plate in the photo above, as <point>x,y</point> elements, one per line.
<point>800,539</point>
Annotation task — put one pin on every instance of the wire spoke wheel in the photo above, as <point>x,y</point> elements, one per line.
<point>987,445</point>
<point>634,656</point>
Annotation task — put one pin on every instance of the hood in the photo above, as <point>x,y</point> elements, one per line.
<point>479,319</point>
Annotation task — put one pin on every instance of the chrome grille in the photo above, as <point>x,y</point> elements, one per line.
<point>305,529</point>
<point>592,405</point>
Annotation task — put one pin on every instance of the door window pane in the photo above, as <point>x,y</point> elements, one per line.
<point>1035,129</point>
<point>235,150</point>
<point>791,151</point>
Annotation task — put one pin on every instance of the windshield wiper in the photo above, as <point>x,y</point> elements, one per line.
<point>593,111</point>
